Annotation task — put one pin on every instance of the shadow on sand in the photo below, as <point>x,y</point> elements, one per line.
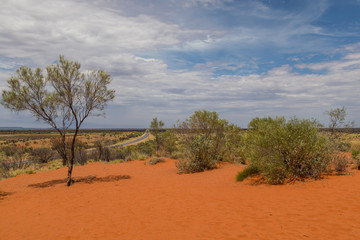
<point>4,194</point>
<point>87,179</point>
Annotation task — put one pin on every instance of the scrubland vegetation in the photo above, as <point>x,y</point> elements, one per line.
<point>20,155</point>
<point>274,149</point>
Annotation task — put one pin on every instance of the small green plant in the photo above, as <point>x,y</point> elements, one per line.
<point>147,148</point>
<point>247,172</point>
<point>234,144</point>
<point>29,171</point>
<point>169,141</point>
<point>155,128</point>
<point>177,155</point>
<point>202,156</point>
<point>156,160</point>
<point>340,162</point>
<point>355,153</point>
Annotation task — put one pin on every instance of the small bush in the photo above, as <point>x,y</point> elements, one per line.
<point>169,141</point>
<point>234,145</point>
<point>106,156</point>
<point>42,155</point>
<point>187,166</point>
<point>119,153</point>
<point>136,156</point>
<point>53,165</point>
<point>30,171</point>
<point>203,140</point>
<point>156,160</point>
<point>57,145</point>
<point>202,156</point>
<point>355,153</point>
<point>177,155</point>
<point>9,150</point>
<point>247,172</point>
<point>281,149</point>
<point>340,162</point>
<point>81,157</point>
<point>342,146</point>
<point>12,168</point>
<point>147,148</point>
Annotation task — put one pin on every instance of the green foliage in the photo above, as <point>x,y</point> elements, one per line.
<point>337,120</point>
<point>203,141</point>
<point>136,155</point>
<point>247,172</point>
<point>203,156</point>
<point>281,149</point>
<point>140,151</point>
<point>169,141</point>
<point>147,148</point>
<point>340,162</point>
<point>9,150</point>
<point>58,146</point>
<point>156,160</point>
<point>62,99</point>
<point>155,128</point>
<point>15,164</point>
<point>355,153</point>
<point>342,146</point>
<point>234,144</point>
<point>103,153</point>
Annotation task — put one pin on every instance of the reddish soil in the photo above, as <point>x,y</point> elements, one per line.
<point>136,201</point>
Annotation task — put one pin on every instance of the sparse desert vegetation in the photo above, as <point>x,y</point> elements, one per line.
<point>275,149</point>
<point>19,156</point>
<point>270,151</point>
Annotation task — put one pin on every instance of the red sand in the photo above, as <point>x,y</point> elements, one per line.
<point>157,203</point>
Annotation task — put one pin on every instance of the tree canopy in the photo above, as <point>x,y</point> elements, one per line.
<point>63,98</point>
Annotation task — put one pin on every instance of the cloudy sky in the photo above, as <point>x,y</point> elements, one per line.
<point>168,58</point>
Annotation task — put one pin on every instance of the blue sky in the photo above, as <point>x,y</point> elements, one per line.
<point>243,59</point>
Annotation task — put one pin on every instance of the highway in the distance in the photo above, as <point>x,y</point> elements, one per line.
<point>146,135</point>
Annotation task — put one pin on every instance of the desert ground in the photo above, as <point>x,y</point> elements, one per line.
<point>132,200</point>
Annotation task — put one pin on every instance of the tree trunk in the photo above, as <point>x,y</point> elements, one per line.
<point>69,181</point>
<point>64,155</point>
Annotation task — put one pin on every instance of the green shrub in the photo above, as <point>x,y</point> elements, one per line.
<point>156,160</point>
<point>341,146</point>
<point>147,148</point>
<point>234,145</point>
<point>202,140</point>
<point>202,156</point>
<point>340,162</point>
<point>281,149</point>
<point>42,155</point>
<point>169,142</point>
<point>355,153</point>
<point>177,155</point>
<point>118,153</point>
<point>356,156</point>
<point>135,155</point>
<point>247,172</point>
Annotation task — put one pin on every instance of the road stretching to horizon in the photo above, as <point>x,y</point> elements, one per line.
<point>137,140</point>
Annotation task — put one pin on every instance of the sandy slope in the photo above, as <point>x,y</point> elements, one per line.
<point>157,203</point>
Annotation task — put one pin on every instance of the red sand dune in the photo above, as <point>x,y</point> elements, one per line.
<point>157,203</point>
